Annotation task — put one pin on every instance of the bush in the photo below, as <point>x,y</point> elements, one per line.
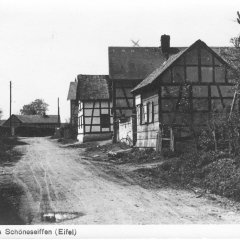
<point>217,172</point>
<point>221,133</point>
<point>7,154</point>
<point>223,177</point>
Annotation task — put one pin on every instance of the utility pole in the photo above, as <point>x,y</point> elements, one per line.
<point>10,112</point>
<point>58,113</point>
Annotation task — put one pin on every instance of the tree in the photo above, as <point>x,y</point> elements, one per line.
<point>232,56</point>
<point>37,107</point>
<point>1,113</point>
<point>224,126</point>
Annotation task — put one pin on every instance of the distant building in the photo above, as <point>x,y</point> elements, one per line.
<point>32,125</point>
<point>90,107</point>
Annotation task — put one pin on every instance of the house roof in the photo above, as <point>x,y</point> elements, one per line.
<point>136,62</point>
<point>72,93</point>
<point>164,66</point>
<point>37,118</point>
<point>2,122</point>
<point>92,87</point>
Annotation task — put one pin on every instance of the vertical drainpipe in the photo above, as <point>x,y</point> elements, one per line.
<point>58,113</point>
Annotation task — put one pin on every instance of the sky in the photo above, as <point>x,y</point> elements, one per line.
<point>44,44</point>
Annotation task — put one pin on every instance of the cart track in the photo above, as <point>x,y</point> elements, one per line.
<point>56,179</point>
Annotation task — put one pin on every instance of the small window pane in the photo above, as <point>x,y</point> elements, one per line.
<point>145,114</point>
<point>142,115</point>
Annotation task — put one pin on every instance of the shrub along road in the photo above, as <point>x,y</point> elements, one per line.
<point>57,183</point>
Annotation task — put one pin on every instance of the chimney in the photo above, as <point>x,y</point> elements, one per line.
<point>165,44</point>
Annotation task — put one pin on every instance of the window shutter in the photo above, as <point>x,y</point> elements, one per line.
<point>152,111</point>
<point>139,114</point>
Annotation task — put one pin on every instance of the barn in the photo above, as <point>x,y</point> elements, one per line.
<point>90,98</point>
<point>3,130</point>
<point>32,125</point>
<point>128,66</point>
<point>180,94</point>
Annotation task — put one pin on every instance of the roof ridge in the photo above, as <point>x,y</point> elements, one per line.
<point>92,75</point>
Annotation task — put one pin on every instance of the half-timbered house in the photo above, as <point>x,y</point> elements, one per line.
<point>128,66</point>
<point>92,98</point>
<point>181,93</point>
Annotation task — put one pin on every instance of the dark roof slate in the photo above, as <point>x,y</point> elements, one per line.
<point>91,87</point>
<point>135,62</point>
<point>158,71</point>
<point>37,118</point>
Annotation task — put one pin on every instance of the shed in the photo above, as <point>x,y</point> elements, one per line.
<point>32,125</point>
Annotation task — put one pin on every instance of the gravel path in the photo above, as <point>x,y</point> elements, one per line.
<point>62,184</point>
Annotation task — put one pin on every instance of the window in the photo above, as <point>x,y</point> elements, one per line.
<point>138,114</point>
<point>138,100</point>
<point>142,121</point>
<point>105,120</point>
<point>147,113</point>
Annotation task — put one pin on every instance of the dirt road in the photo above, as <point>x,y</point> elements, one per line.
<point>58,180</point>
